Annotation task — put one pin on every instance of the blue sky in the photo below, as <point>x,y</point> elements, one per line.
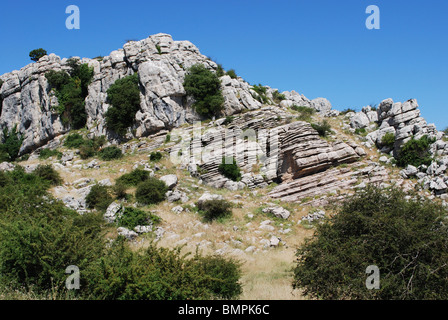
<point>320,48</point>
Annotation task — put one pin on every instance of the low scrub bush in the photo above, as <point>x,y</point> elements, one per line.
<point>388,140</point>
<point>415,152</point>
<point>405,237</point>
<point>323,128</point>
<point>48,173</point>
<point>152,191</point>
<point>133,217</point>
<point>110,153</point>
<point>215,210</point>
<point>305,113</point>
<point>47,153</point>
<point>11,143</point>
<point>232,74</point>
<point>99,198</point>
<point>229,169</point>
<point>133,178</point>
<point>155,156</point>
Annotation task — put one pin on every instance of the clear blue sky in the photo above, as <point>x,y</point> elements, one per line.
<point>320,48</point>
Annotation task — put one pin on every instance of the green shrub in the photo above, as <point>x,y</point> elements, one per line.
<point>406,239</point>
<point>215,209</point>
<point>220,71</point>
<point>229,169</point>
<point>48,173</point>
<point>261,93</point>
<point>151,191</point>
<point>110,153</point>
<point>415,152</point>
<point>133,217</point>
<point>47,153</point>
<point>155,156</point>
<point>74,141</point>
<point>361,131</point>
<point>232,74</point>
<point>161,274</point>
<point>41,237</point>
<point>278,97</point>
<point>11,143</point>
<point>86,152</point>
<point>205,87</point>
<point>348,110</point>
<point>388,140</point>
<point>168,138</point>
<point>228,120</point>
<point>120,191</point>
<point>36,54</point>
<point>133,178</point>
<point>305,113</point>
<point>99,198</point>
<point>71,91</point>
<point>124,98</point>
<point>323,128</point>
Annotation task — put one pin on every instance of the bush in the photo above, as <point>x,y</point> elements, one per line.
<point>361,131</point>
<point>323,128</point>
<point>41,237</point>
<point>110,153</point>
<point>205,87</point>
<point>71,91</point>
<point>305,113</point>
<point>161,274</point>
<point>99,198</point>
<point>47,153</point>
<point>155,156</point>
<point>74,141</point>
<point>133,217</point>
<point>152,191</point>
<point>11,143</point>
<point>406,239</point>
<point>388,140</point>
<point>36,54</point>
<point>229,169</point>
<point>232,74</point>
<point>120,191</point>
<point>261,93</point>
<point>124,98</point>
<point>348,110</point>
<point>278,97</point>
<point>48,173</point>
<point>215,210</point>
<point>220,71</point>
<point>134,178</point>
<point>415,152</point>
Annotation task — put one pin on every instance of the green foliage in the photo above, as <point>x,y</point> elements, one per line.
<point>323,128</point>
<point>388,140</point>
<point>71,90</point>
<point>205,87</point>
<point>110,153</point>
<point>47,153</point>
<point>228,120</point>
<point>159,49</point>
<point>232,74</point>
<point>305,113</point>
<point>278,97</point>
<point>161,274</point>
<point>11,143</point>
<point>99,198</point>
<point>48,173</point>
<point>120,191</point>
<point>361,131</point>
<point>133,178</point>
<point>133,217</point>
<point>229,169</point>
<point>87,147</point>
<point>415,152</point>
<point>74,141</point>
<point>168,138</point>
<point>124,98</point>
<point>348,110</point>
<point>215,209</point>
<point>151,191</point>
<point>220,72</point>
<point>40,237</point>
<point>155,156</point>
<point>36,54</point>
<point>406,239</point>
<point>261,93</point>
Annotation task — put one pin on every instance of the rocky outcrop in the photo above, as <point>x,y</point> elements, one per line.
<point>29,103</point>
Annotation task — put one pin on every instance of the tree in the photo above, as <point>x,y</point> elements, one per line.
<point>11,143</point>
<point>205,87</point>
<point>124,98</point>
<point>405,237</point>
<point>36,54</point>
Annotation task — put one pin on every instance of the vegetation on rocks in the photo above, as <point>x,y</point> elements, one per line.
<point>415,152</point>
<point>404,237</point>
<point>229,169</point>
<point>11,143</point>
<point>151,191</point>
<point>205,87</point>
<point>124,98</point>
<point>36,54</point>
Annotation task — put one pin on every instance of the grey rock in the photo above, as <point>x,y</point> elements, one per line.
<point>279,212</point>
<point>170,180</point>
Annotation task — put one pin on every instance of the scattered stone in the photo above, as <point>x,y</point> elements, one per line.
<point>279,212</point>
